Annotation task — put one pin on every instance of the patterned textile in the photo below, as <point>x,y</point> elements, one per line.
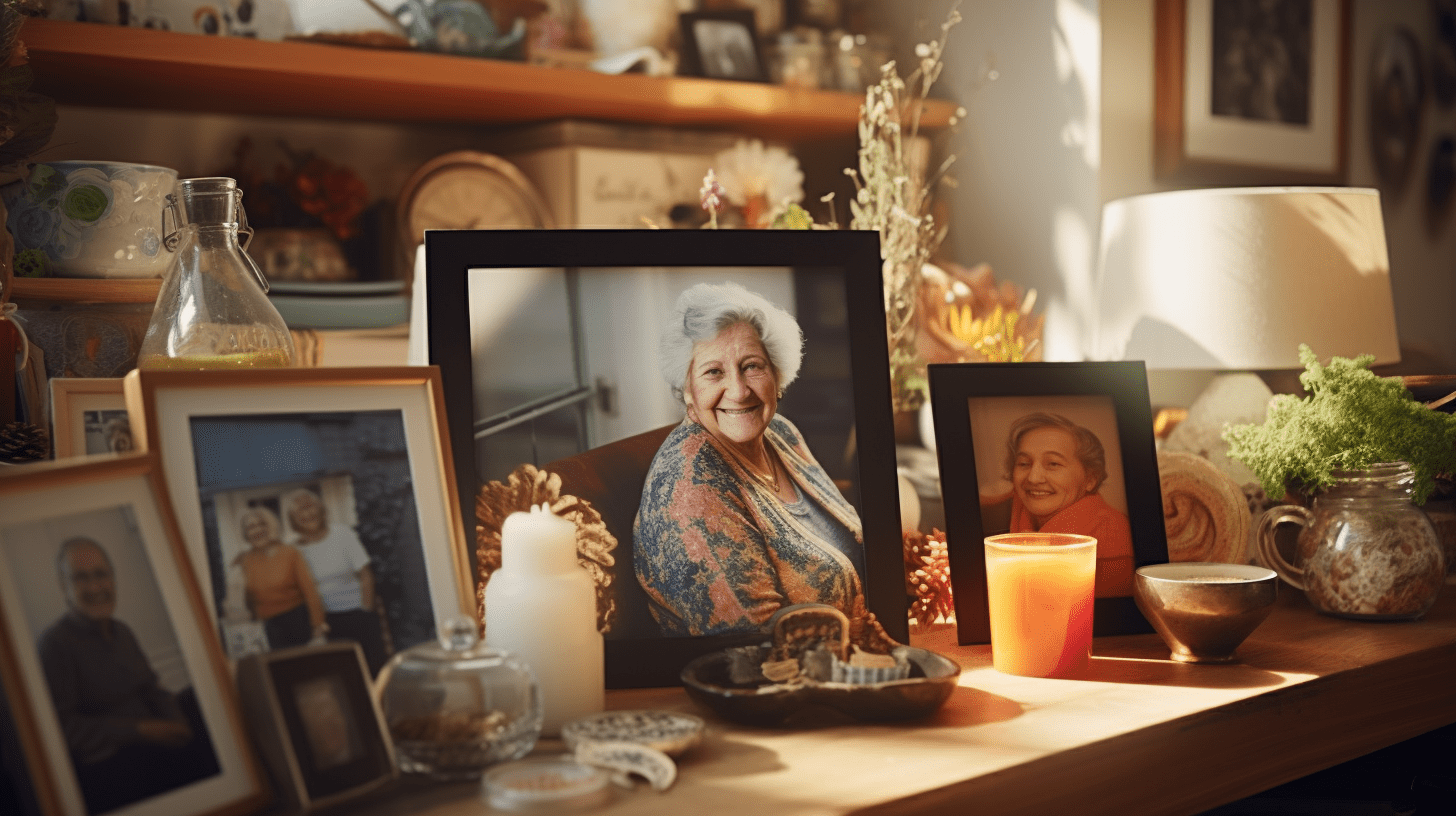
<point>717,552</point>
<point>1092,516</point>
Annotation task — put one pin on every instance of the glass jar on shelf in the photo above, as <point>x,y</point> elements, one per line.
<point>213,310</point>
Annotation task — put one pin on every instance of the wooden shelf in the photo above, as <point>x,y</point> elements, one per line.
<point>113,66</point>
<point>87,290</point>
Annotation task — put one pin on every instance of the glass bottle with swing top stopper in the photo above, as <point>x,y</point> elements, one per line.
<point>213,310</point>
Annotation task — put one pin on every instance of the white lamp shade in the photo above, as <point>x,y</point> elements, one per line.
<point>1237,278</point>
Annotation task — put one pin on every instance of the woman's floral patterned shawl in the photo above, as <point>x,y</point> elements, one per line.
<point>718,552</point>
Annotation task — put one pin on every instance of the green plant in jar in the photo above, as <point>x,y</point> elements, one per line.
<point>1350,419</point>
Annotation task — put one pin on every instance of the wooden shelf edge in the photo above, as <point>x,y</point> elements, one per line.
<point>87,290</point>
<point>116,66</point>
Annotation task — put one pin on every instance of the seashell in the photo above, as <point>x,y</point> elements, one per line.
<point>630,758</point>
<point>1205,512</point>
<point>864,668</point>
<point>800,627</point>
<point>666,731</point>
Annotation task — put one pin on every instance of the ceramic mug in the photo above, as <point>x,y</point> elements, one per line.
<point>90,219</point>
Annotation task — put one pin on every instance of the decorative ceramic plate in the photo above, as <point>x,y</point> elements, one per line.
<point>668,732</point>
<point>932,679</point>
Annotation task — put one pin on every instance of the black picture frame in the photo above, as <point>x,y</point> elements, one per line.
<point>722,44</point>
<point>973,401</point>
<point>317,724</point>
<point>845,375</point>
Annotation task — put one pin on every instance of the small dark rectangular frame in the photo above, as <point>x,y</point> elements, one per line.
<point>748,66</point>
<point>451,254</point>
<point>269,684</point>
<point>952,386</point>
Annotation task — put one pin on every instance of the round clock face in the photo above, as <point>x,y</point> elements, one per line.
<point>469,190</point>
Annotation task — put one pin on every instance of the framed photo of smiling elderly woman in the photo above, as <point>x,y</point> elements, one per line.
<point>1055,447</point>
<point>711,408</point>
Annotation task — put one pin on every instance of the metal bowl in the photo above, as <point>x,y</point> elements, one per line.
<point>1205,610</point>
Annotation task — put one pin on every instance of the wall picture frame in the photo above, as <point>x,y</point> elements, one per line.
<point>979,409</point>
<point>88,416</point>
<point>317,723</point>
<point>90,546</point>
<point>365,448</point>
<point>722,44</point>
<point>1250,94</point>
<point>547,343</point>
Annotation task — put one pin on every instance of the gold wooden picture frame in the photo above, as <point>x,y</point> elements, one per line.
<point>371,447</point>
<point>104,528</point>
<point>88,416</point>
<point>1244,97</point>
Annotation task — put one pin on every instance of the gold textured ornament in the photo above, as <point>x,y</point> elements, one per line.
<point>526,487</point>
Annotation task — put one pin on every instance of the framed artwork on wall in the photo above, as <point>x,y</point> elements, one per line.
<point>112,670</point>
<point>549,344</point>
<point>1250,92</point>
<point>345,471</point>
<point>1060,447</point>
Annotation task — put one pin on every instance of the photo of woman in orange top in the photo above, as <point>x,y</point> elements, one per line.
<point>1056,468</point>
<point>280,588</point>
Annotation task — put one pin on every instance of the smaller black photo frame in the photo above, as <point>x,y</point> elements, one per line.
<point>974,406</point>
<point>722,45</point>
<point>317,724</point>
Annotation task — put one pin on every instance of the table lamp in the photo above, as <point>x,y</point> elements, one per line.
<point>1234,280</point>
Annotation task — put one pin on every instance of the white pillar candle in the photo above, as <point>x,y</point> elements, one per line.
<point>541,606</point>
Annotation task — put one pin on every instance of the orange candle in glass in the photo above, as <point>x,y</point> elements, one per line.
<point>1039,586</point>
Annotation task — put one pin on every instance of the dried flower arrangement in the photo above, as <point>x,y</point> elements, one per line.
<point>927,578</point>
<point>966,316</point>
<point>307,191</point>
<point>27,120</point>
<point>893,197</point>
<point>763,181</point>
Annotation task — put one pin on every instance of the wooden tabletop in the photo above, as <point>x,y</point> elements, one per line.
<point>1142,735</point>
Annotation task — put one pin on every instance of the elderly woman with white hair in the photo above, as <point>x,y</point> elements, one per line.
<point>737,518</point>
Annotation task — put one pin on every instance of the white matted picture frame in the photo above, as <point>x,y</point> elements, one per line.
<point>1250,93</point>
<point>103,527</point>
<point>88,415</point>
<point>364,451</point>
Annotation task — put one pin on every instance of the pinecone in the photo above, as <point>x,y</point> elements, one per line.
<point>23,442</point>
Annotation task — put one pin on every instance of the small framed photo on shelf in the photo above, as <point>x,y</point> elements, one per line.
<point>722,45</point>
<point>566,359</point>
<point>1059,447</point>
<point>317,725</point>
<point>113,672</point>
<point>88,415</point>
<point>344,471</point>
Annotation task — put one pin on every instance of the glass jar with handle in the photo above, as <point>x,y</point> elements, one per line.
<point>213,310</point>
<point>1364,550</point>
